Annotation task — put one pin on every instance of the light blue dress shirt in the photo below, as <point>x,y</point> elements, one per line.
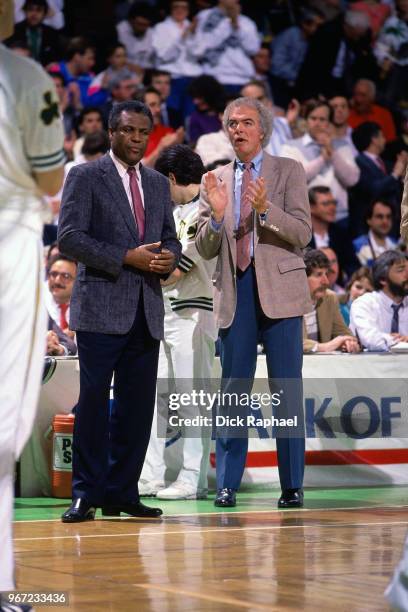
<point>238,172</point>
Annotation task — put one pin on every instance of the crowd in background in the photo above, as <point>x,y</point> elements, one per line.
<point>335,74</point>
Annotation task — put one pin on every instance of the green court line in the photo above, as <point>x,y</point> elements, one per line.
<point>257,498</point>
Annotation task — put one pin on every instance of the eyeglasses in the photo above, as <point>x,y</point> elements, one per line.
<point>65,275</point>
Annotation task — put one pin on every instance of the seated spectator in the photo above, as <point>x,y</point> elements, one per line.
<point>330,9</point>
<point>324,329</point>
<point>288,51</point>
<point>338,54</point>
<point>363,109</point>
<point>380,318</point>
<point>161,135</point>
<point>325,231</point>
<point>375,182</point>
<point>136,34</point>
<point>209,99</point>
<point>54,17</point>
<point>369,246</point>
<point>326,161</point>
<point>161,80</point>
<point>361,281</point>
<point>214,147</point>
<point>62,271</point>
<point>121,90</point>
<point>340,109</point>
<point>119,70</point>
<point>334,273</point>
<point>89,121</point>
<point>76,71</point>
<point>223,43</point>
<point>171,39</point>
<point>44,42</point>
<point>391,52</point>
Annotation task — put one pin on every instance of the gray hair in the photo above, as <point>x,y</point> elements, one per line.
<point>382,265</point>
<point>265,116</point>
<point>370,85</point>
<point>357,19</point>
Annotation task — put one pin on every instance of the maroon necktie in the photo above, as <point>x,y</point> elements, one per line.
<point>245,222</point>
<point>138,209</point>
<point>63,323</point>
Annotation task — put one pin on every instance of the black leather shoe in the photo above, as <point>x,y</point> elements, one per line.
<point>80,510</point>
<point>291,498</point>
<point>225,498</point>
<point>134,509</point>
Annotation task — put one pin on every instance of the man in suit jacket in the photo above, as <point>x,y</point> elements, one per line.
<point>116,220</point>
<point>404,210</point>
<point>255,216</point>
<point>376,181</point>
<point>325,232</point>
<point>324,329</point>
<point>44,42</point>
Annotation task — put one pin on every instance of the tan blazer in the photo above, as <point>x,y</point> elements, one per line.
<point>330,322</point>
<point>404,211</point>
<point>280,270</point>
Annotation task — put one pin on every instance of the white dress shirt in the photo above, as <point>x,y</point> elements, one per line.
<point>122,168</point>
<point>370,319</point>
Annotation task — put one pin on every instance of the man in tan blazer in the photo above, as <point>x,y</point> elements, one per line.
<point>324,329</point>
<point>404,211</point>
<point>255,216</point>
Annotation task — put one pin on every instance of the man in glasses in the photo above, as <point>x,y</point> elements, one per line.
<point>62,272</point>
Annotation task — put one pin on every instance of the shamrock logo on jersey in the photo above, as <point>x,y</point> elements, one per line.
<point>192,231</point>
<point>50,112</point>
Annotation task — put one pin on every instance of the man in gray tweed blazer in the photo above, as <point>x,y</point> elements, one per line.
<point>255,217</point>
<point>116,220</point>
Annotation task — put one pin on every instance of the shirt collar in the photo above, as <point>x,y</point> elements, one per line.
<point>388,301</point>
<point>121,167</point>
<point>256,161</point>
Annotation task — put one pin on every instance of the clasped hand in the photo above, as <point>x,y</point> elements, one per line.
<point>147,258</point>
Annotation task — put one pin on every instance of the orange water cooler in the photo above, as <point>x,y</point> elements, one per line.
<point>61,473</point>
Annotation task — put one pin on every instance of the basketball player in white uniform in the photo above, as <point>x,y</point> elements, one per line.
<point>187,352</point>
<point>31,164</point>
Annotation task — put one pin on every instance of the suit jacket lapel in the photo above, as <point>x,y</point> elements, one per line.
<point>115,186</point>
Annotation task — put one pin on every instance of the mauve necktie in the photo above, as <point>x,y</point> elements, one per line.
<point>245,222</point>
<point>138,209</point>
<point>395,318</point>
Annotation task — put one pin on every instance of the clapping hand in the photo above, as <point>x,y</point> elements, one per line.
<point>217,196</point>
<point>256,194</point>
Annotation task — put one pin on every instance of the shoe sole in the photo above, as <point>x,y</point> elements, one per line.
<point>75,520</point>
